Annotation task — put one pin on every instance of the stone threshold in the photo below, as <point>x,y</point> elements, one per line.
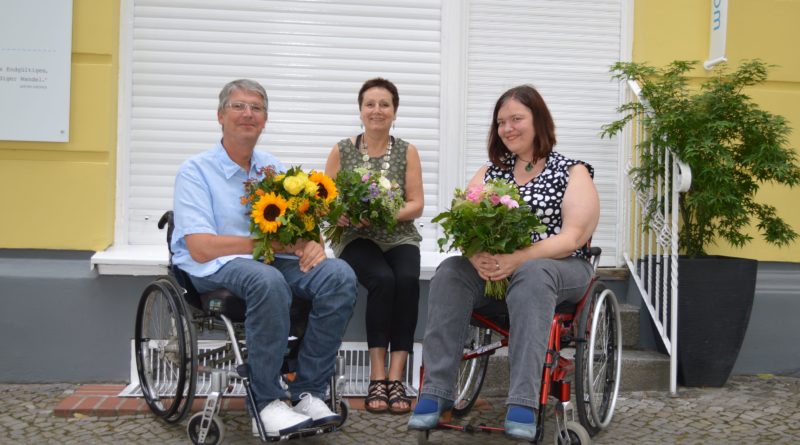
<point>103,400</point>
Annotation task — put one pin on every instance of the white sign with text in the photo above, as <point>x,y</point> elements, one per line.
<point>35,60</point>
<point>718,33</point>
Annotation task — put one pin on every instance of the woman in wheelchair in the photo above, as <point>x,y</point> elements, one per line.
<point>554,269</point>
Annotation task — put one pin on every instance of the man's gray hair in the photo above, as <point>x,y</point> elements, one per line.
<point>241,85</point>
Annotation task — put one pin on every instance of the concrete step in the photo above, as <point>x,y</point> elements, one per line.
<point>629,317</point>
<point>641,371</point>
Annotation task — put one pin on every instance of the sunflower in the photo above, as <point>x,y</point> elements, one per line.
<point>266,212</point>
<point>326,189</point>
<point>310,222</point>
<point>302,208</point>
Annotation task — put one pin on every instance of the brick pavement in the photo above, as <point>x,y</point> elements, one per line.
<point>748,410</point>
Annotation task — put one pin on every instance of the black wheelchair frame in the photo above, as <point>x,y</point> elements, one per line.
<point>170,316</point>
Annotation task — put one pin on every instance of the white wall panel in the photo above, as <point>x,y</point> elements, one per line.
<point>564,49</point>
<point>312,58</point>
<point>449,59</point>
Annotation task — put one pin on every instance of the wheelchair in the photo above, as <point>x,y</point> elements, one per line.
<point>170,316</point>
<point>592,327</point>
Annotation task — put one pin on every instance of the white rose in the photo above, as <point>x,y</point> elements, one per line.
<point>385,183</point>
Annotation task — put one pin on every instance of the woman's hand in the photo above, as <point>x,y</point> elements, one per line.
<point>344,221</point>
<point>483,264</point>
<point>505,264</point>
<point>496,267</point>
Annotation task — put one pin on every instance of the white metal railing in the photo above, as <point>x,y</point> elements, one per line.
<point>650,240</point>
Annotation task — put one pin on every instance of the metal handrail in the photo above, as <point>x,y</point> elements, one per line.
<point>650,242</point>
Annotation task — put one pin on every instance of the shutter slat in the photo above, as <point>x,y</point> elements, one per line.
<point>564,49</point>
<point>312,58</point>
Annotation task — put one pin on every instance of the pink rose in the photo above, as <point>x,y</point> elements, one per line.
<point>474,193</point>
<point>509,202</point>
<point>495,199</point>
<point>365,178</point>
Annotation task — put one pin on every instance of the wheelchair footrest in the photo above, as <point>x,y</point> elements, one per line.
<point>469,428</point>
<point>305,432</point>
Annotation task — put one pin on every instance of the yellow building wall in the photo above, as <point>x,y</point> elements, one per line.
<point>61,195</point>
<point>765,29</point>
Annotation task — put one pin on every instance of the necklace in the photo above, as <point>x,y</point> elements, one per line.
<point>529,165</point>
<point>385,158</point>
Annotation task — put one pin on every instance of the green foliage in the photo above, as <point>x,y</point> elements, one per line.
<point>364,196</point>
<point>489,218</point>
<point>731,145</point>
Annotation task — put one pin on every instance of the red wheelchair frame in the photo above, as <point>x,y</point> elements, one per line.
<point>593,327</point>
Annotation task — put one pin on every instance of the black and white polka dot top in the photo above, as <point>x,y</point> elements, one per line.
<point>544,193</point>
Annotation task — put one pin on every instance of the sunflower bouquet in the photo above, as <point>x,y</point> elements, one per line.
<point>490,218</point>
<point>364,195</point>
<point>286,207</point>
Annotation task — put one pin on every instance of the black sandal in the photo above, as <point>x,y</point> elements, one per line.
<point>397,395</point>
<point>377,391</point>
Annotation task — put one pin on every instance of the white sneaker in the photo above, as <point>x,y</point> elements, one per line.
<point>317,409</point>
<point>280,419</point>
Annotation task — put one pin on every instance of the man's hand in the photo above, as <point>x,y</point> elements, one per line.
<point>310,253</point>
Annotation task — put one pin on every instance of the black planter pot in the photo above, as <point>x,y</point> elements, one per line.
<point>715,298</point>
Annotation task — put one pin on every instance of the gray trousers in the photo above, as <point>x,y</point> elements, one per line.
<point>534,290</point>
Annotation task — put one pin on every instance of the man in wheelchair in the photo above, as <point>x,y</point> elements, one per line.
<point>211,243</point>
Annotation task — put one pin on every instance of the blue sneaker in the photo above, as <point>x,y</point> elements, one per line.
<point>427,412</point>
<point>520,422</point>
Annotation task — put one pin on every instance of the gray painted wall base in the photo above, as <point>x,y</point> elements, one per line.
<point>772,342</point>
<point>62,322</point>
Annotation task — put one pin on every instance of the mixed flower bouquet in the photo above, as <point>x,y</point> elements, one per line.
<point>364,195</point>
<point>286,207</point>
<point>488,218</point>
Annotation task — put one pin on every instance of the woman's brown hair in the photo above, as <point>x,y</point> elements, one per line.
<point>543,127</point>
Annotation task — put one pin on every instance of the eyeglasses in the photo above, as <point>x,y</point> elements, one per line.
<point>240,107</point>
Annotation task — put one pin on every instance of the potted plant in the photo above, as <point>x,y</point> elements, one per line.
<point>732,147</point>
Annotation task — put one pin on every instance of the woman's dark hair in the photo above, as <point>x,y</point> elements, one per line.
<point>380,82</point>
<point>543,127</point>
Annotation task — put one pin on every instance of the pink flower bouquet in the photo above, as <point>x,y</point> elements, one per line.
<point>489,218</point>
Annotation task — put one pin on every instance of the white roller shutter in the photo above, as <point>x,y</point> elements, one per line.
<point>311,56</point>
<point>564,48</point>
<point>449,59</point>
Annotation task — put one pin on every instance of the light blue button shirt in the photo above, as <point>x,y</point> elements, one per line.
<point>208,191</point>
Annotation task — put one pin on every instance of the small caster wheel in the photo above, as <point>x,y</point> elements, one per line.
<point>423,436</point>
<point>215,434</point>
<point>577,435</point>
<point>344,410</point>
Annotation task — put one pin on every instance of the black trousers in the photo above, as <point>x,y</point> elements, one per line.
<point>392,282</point>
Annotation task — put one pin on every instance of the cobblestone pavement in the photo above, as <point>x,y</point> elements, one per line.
<point>748,410</point>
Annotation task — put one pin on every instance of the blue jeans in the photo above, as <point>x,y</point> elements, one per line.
<point>534,290</point>
<point>267,290</point>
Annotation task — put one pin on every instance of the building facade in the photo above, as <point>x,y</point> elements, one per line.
<point>78,240</point>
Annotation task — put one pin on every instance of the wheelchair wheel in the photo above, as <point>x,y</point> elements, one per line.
<point>215,434</point>
<point>163,349</point>
<point>577,435</point>
<point>472,372</point>
<point>343,410</point>
<point>598,359</point>
<point>190,339</point>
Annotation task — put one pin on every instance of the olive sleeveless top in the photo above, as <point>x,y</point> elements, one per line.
<point>405,232</point>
